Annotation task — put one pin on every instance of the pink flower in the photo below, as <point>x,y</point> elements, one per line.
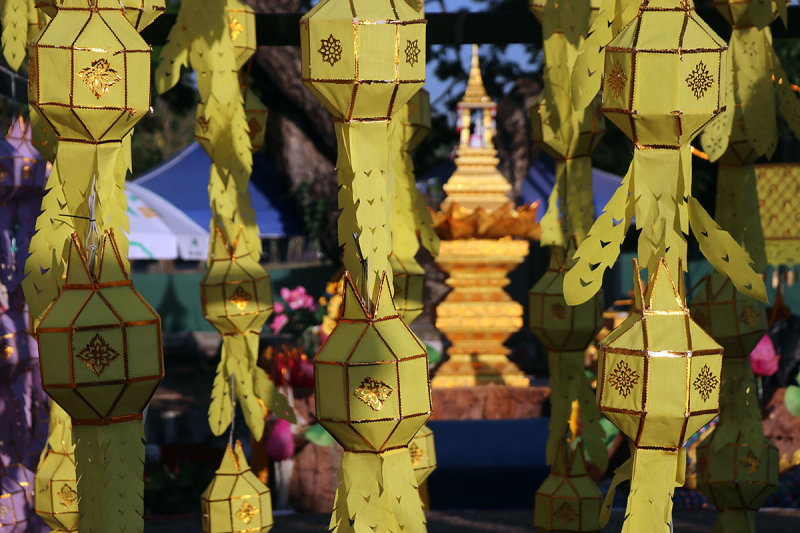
<point>763,358</point>
<point>278,322</point>
<point>278,308</point>
<point>280,443</point>
<point>296,298</point>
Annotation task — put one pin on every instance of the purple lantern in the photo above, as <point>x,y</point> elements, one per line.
<point>25,168</point>
<point>16,498</point>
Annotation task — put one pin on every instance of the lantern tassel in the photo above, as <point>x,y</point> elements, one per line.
<point>377,492</point>
<point>109,462</point>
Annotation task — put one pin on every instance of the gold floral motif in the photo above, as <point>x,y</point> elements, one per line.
<point>700,80</point>
<point>412,52</point>
<point>558,311</point>
<point>623,378</point>
<point>331,50</point>
<point>204,123</point>
<point>750,462</point>
<point>240,298</point>
<point>565,514</point>
<point>705,382</point>
<point>749,316</point>
<point>253,127</point>
<point>67,495</point>
<point>417,454</point>
<point>246,512</point>
<point>97,354</point>
<point>616,80</point>
<point>99,77</point>
<point>373,392</point>
<point>235,26</point>
<point>3,511</point>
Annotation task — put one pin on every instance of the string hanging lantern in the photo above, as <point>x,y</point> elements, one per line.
<point>423,454</point>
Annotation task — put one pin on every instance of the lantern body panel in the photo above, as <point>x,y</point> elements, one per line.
<point>370,376</point>
<point>242,27</point>
<point>57,490</point>
<point>591,127</point>
<point>107,96</point>
<point>739,475</point>
<point>423,454</point>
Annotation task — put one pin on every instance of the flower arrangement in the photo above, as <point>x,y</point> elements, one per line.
<point>297,314</point>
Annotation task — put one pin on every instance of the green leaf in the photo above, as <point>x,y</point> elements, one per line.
<point>316,434</point>
<point>792,399</point>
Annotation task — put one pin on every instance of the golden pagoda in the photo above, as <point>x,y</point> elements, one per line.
<point>476,181</point>
<point>476,225</point>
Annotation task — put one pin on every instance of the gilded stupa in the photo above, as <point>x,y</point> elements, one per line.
<point>476,225</point>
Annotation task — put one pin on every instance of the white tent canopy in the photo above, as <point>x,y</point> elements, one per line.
<point>159,230</point>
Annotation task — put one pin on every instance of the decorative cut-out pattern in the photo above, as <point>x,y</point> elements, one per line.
<point>705,383</point>
<point>253,128</point>
<point>616,80</point>
<point>99,77</point>
<point>749,316</point>
<point>750,462</point>
<point>558,311</point>
<point>246,512</point>
<point>623,378</point>
<point>373,392</point>
<point>412,52</point>
<point>331,50</point>
<point>700,80</point>
<point>240,298</point>
<point>204,123</point>
<point>97,355</point>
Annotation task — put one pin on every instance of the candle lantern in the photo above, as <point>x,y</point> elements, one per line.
<point>423,454</point>
<point>568,500</point>
<point>236,501</point>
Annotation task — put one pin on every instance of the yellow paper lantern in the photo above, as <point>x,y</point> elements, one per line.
<point>100,341</point>
<point>580,143</point>
<point>242,25</point>
<point>661,87</point>
<point>236,501</point>
<point>734,320</point>
<point>236,291</point>
<point>419,119</point>
<point>568,500</point>
<point>363,59</point>
<point>57,490</point>
<point>409,287</point>
<point>371,376</point>
<point>423,453</point>
<point>749,12</point>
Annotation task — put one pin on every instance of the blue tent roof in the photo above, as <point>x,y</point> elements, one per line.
<point>542,176</point>
<point>183,181</point>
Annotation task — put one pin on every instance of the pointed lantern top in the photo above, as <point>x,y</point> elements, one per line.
<point>475,95</point>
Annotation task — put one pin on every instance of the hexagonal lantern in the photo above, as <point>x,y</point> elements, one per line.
<point>363,58</point>
<point>662,87</point>
<point>738,478</point>
<point>734,320</point>
<point>740,151</point>
<point>21,168</point>
<point>236,501</point>
<point>658,371</point>
<point>57,490</point>
<point>100,341</point>
<point>568,500</point>
<point>591,128</point>
<point>562,327</point>
<point>16,498</point>
<point>242,25</point>
<point>236,292</point>
<point>423,453</point>
<point>256,113</point>
<point>371,376</point>
<point>85,72</point>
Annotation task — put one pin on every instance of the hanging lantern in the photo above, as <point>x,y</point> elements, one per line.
<point>580,143</point>
<point>256,113</point>
<point>372,395</point>
<point>236,292</point>
<point>423,454</point>
<point>568,500</point>
<point>236,501</point>
<point>13,361</point>
<point>409,287</point>
<point>28,169</point>
<point>100,342</point>
<point>57,490</point>
<point>369,377</point>
<point>419,119</point>
<point>735,321</point>
<point>242,25</point>
<point>16,498</point>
